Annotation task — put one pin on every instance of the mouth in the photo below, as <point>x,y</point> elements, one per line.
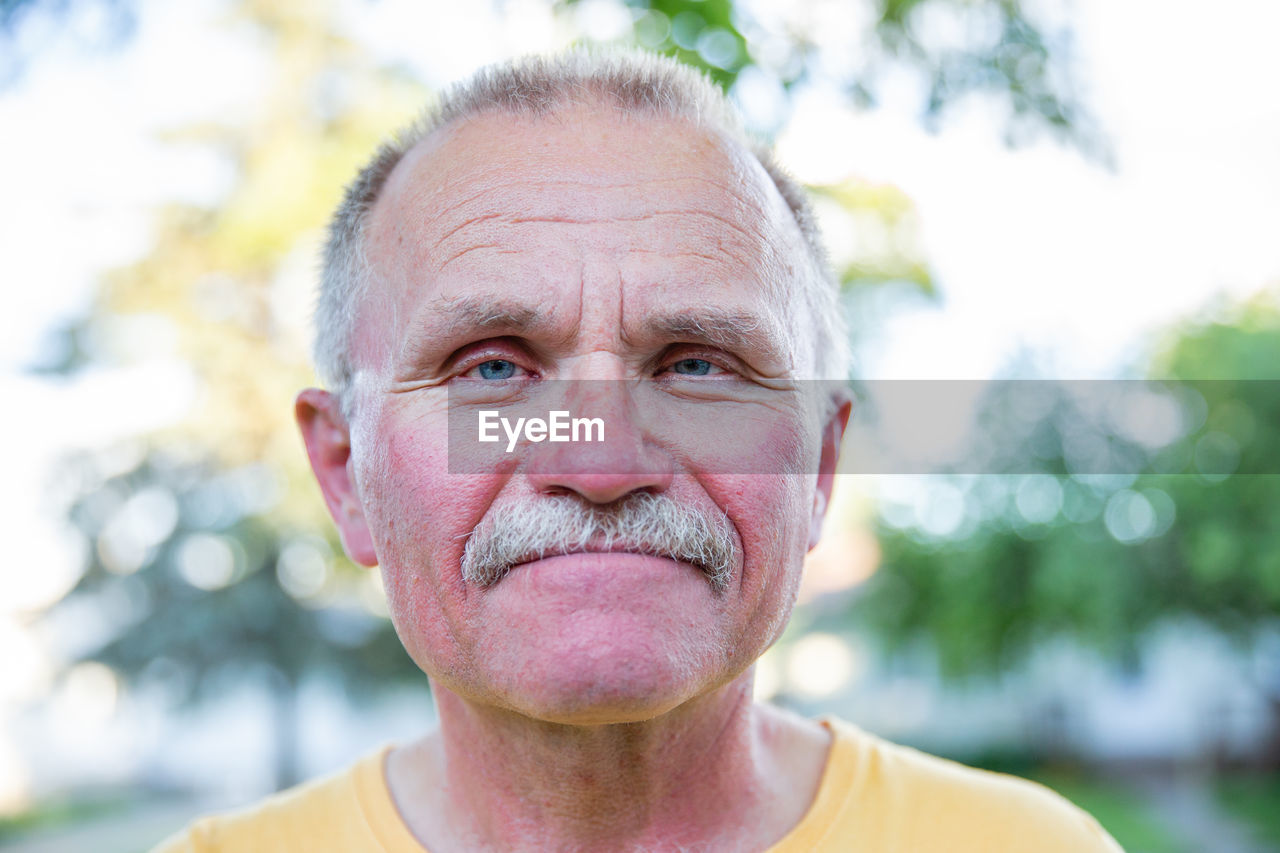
<point>614,548</point>
<point>599,569</point>
<point>621,559</point>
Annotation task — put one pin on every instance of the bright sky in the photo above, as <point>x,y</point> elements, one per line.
<point>1031,248</point>
<point>1037,247</point>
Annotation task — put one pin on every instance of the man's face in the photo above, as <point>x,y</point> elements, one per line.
<point>582,246</point>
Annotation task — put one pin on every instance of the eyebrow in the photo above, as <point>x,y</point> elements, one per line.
<point>470,311</point>
<point>727,330</point>
<point>451,318</point>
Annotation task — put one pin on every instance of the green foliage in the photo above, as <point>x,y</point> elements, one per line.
<point>1253,800</point>
<point>1122,812</point>
<point>62,812</point>
<point>206,587</point>
<point>883,211</point>
<point>1018,62</point>
<point>998,587</point>
<point>702,34</point>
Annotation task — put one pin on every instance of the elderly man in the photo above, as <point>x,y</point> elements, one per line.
<point>588,611</point>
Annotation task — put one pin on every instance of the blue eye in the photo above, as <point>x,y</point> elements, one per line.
<point>691,367</point>
<point>496,369</point>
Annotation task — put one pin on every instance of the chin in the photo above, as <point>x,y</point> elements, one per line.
<point>626,691</point>
<point>597,680</point>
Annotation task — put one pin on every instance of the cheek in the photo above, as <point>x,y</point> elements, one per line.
<point>417,509</point>
<point>420,515</point>
<point>771,515</point>
<point>771,509</point>
<point>771,506</point>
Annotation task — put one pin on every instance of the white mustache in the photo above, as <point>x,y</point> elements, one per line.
<point>641,523</point>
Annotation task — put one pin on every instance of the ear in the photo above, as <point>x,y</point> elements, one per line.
<point>832,435</point>
<point>328,440</point>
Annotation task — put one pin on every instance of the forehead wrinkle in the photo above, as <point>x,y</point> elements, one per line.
<point>497,248</point>
<point>492,203</point>
<point>751,236</point>
<point>445,185</point>
<point>718,248</point>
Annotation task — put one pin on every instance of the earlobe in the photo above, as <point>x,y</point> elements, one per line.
<point>328,440</point>
<point>832,436</point>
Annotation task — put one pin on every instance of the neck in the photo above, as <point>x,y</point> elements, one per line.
<point>717,771</point>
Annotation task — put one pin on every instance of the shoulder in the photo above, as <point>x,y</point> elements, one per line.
<point>324,814</point>
<point>929,803</point>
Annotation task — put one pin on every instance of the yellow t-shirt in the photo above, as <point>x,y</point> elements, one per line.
<point>875,797</point>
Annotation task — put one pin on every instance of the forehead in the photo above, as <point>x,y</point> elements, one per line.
<point>501,198</point>
<point>597,146</point>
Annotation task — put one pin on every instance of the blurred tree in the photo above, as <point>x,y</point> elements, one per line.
<point>951,48</point>
<point>201,587</point>
<point>211,554</point>
<point>1106,557</point>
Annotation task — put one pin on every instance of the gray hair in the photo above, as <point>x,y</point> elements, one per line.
<point>641,522</point>
<point>637,83</point>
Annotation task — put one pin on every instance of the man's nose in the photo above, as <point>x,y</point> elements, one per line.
<point>601,471</point>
